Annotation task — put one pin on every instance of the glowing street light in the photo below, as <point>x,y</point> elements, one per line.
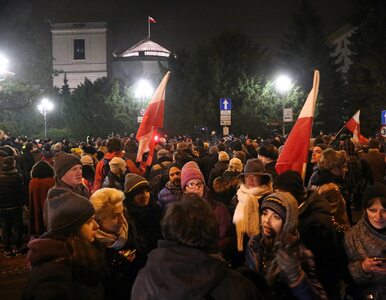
<point>44,107</point>
<point>3,68</point>
<point>143,90</point>
<point>283,84</point>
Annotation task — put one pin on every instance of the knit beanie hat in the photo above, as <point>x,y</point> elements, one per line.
<point>133,182</point>
<point>117,164</point>
<point>374,191</point>
<point>64,162</point>
<point>223,156</point>
<point>86,160</point>
<point>190,171</point>
<point>291,181</point>
<point>65,211</point>
<point>77,151</point>
<point>286,206</point>
<point>236,164</point>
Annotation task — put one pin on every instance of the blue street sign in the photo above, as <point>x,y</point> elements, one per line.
<point>225,104</point>
<point>383,117</point>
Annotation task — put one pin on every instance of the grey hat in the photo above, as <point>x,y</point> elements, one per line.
<point>65,211</point>
<point>64,162</point>
<point>255,166</point>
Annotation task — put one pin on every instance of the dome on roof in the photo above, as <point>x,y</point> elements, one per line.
<point>146,47</point>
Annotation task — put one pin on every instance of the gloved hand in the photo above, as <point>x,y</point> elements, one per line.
<point>290,267</point>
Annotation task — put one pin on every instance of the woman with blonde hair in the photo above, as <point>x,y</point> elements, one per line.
<point>123,258</point>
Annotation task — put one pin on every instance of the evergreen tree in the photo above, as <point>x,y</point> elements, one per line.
<point>367,76</point>
<point>304,48</point>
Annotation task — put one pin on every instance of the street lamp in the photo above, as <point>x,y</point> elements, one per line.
<point>44,107</point>
<point>143,90</point>
<point>3,68</point>
<point>283,84</point>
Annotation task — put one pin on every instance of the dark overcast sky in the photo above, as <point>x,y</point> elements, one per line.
<point>180,23</point>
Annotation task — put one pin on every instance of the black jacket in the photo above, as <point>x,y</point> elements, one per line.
<point>11,189</point>
<point>177,272</point>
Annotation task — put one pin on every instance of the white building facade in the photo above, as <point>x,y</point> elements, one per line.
<point>79,51</point>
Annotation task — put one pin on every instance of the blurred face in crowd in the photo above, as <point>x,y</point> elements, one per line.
<point>316,154</point>
<point>376,214</point>
<point>73,177</point>
<point>112,221</point>
<point>195,186</point>
<point>89,229</point>
<point>175,176</point>
<point>271,222</point>
<point>252,180</point>
<point>142,198</point>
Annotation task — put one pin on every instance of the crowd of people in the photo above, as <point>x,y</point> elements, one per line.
<point>206,220</point>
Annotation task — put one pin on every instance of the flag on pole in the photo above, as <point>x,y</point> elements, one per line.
<point>353,125</point>
<point>151,20</point>
<point>152,120</point>
<point>295,152</point>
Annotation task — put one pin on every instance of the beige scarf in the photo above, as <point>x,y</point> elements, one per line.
<point>116,241</point>
<point>247,217</point>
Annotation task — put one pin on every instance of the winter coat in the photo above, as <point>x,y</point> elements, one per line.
<point>177,272</point>
<point>360,242</point>
<point>225,187</point>
<point>219,168</point>
<point>169,194</point>
<point>53,278</point>
<point>262,260</point>
<point>80,189</point>
<point>206,164</point>
<point>329,186</point>
<point>27,161</point>
<point>99,176</point>
<point>318,234</point>
<point>147,222</point>
<point>38,189</point>
<point>11,189</point>
<point>377,162</point>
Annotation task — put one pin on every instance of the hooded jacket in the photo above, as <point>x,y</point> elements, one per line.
<point>178,272</point>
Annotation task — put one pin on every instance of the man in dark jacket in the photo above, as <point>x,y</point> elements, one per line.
<point>186,264</point>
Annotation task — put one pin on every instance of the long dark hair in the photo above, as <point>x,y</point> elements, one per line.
<point>85,258</point>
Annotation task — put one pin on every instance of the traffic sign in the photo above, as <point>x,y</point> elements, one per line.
<point>287,115</point>
<point>225,112</point>
<point>225,117</point>
<point>225,130</point>
<point>225,104</point>
<point>139,119</point>
<point>225,122</point>
<point>383,131</point>
<point>383,117</point>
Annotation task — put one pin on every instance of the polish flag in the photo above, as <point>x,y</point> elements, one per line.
<point>295,152</point>
<point>353,125</point>
<point>152,120</point>
<point>151,20</point>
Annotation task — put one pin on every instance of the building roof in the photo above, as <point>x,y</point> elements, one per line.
<point>146,47</point>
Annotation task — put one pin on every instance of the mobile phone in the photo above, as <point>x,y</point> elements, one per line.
<point>382,259</point>
<point>129,252</point>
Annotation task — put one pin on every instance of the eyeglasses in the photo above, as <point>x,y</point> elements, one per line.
<point>194,185</point>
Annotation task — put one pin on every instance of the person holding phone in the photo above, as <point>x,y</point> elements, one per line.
<point>117,233</point>
<point>365,246</point>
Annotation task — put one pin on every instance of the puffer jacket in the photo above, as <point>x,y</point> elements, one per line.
<point>11,189</point>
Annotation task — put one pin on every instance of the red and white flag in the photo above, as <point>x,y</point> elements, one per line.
<point>152,120</point>
<point>295,152</point>
<point>354,126</point>
<point>151,20</point>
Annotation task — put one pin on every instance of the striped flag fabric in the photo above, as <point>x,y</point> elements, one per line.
<point>353,125</point>
<point>295,152</point>
<point>152,120</point>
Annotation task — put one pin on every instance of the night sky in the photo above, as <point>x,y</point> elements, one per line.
<point>180,24</point>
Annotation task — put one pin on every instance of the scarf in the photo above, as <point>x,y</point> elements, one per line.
<point>247,217</point>
<point>116,241</point>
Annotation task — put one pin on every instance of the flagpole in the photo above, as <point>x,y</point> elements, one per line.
<point>148,27</point>
<point>334,138</point>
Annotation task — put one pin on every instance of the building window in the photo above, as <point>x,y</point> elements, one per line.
<point>79,49</point>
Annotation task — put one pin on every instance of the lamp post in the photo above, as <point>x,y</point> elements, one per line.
<point>44,107</point>
<point>143,90</point>
<point>283,84</point>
